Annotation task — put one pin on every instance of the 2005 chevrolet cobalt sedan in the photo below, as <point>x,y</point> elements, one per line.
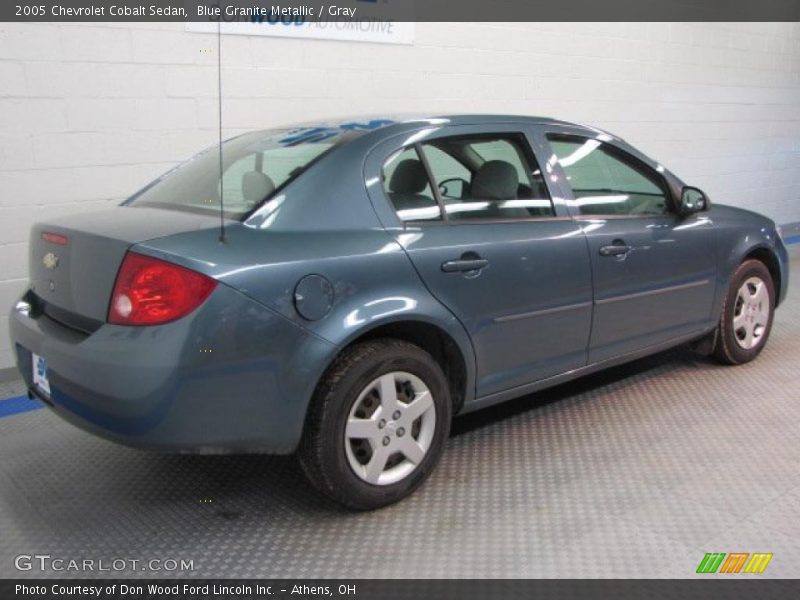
<point>344,289</point>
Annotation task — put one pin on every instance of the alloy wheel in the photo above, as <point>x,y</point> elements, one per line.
<point>751,313</point>
<point>390,428</point>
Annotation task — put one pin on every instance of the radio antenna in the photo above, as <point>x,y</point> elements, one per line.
<point>221,169</point>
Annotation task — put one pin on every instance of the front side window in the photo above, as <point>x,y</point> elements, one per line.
<point>606,181</point>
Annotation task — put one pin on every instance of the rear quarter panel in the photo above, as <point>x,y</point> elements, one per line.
<point>372,278</point>
<point>322,223</point>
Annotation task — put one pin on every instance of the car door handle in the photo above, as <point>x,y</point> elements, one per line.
<point>464,264</point>
<point>617,248</point>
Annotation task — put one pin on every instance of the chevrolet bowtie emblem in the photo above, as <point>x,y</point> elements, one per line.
<point>50,261</point>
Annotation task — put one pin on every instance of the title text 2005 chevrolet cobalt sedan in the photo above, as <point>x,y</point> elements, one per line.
<point>375,278</point>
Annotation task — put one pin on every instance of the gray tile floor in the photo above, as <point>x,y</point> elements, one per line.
<point>635,472</point>
<point>10,389</point>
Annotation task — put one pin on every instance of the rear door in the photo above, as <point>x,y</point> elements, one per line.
<point>653,271</point>
<point>492,245</point>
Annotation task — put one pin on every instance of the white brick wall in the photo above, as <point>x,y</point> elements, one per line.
<point>90,112</point>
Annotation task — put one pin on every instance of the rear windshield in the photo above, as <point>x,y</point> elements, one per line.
<point>255,166</point>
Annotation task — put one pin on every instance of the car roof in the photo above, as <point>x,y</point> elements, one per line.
<point>390,122</point>
<point>465,119</point>
<point>379,126</point>
<point>454,119</point>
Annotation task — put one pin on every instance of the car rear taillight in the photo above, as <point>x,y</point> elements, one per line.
<point>55,238</point>
<point>149,291</point>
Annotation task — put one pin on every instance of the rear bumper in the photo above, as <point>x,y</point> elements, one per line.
<point>231,377</point>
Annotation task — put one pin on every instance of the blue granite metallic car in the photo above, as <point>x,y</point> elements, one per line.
<point>343,290</point>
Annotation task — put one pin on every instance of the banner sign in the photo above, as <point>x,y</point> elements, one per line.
<point>376,30</point>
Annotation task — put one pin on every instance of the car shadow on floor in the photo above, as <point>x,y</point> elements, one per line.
<point>230,492</point>
<point>264,483</point>
<point>650,366</point>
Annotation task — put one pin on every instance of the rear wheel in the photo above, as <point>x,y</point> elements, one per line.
<point>747,314</point>
<point>377,424</point>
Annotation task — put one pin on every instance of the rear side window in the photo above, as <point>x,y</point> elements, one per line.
<point>506,151</point>
<point>492,177</point>
<point>480,177</point>
<point>406,183</point>
<point>607,181</point>
<point>441,162</point>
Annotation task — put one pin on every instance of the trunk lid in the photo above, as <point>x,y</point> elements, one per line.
<point>75,278</point>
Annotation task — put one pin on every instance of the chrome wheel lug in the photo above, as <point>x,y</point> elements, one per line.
<point>387,440</point>
<point>381,423</point>
<point>401,432</point>
<point>396,415</point>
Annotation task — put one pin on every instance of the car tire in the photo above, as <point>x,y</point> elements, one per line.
<point>747,314</point>
<point>377,424</point>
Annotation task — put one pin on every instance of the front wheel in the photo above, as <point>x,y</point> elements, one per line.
<point>377,424</point>
<point>747,314</point>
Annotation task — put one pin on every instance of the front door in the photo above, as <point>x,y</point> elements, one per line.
<point>654,272</point>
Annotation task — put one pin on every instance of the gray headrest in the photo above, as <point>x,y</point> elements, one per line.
<point>256,186</point>
<point>495,180</point>
<point>409,177</point>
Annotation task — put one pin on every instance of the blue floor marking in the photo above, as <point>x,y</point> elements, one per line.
<point>792,239</point>
<point>17,405</point>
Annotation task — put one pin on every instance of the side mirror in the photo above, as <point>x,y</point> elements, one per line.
<point>693,200</point>
<point>453,188</point>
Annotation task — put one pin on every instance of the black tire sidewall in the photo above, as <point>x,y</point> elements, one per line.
<point>731,350</point>
<point>349,488</point>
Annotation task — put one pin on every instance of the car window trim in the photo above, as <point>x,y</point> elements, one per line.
<point>444,218</point>
<point>608,217</point>
<point>492,221</point>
